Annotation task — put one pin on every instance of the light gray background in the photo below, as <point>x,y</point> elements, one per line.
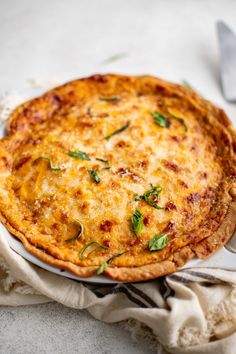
<point>62,40</point>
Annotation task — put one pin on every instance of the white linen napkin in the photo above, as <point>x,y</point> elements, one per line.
<point>191,311</point>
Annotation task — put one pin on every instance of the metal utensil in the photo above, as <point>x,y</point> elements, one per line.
<point>227,43</point>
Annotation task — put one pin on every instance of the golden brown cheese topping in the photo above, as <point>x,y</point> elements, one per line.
<point>100,167</point>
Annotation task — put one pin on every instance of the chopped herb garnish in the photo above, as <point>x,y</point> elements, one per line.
<point>94,176</point>
<point>102,268</point>
<point>179,119</point>
<point>151,197</point>
<point>158,242</point>
<point>79,155</point>
<point>79,234</point>
<point>56,168</point>
<point>105,161</point>
<point>115,57</point>
<point>95,243</point>
<point>105,264</point>
<point>161,120</point>
<point>110,99</point>
<point>53,168</point>
<point>187,84</point>
<point>124,127</point>
<point>137,222</point>
<point>102,160</point>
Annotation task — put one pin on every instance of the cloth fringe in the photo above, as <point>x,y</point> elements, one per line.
<point>221,322</point>
<point>139,331</point>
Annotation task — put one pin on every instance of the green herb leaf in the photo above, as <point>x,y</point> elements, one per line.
<point>56,168</point>
<point>115,57</point>
<point>95,243</point>
<point>94,176</point>
<point>158,242</point>
<point>53,168</point>
<point>79,155</point>
<point>181,120</point>
<point>137,222</point>
<point>187,84</point>
<point>151,197</point>
<point>110,99</point>
<point>98,159</point>
<point>79,234</point>
<point>124,127</point>
<point>105,161</point>
<point>102,268</point>
<point>105,264</point>
<point>161,120</point>
<point>115,256</point>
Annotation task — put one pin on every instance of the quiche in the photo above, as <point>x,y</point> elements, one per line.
<point>124,176</point>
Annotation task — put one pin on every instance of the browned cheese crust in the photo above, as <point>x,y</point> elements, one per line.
<point>100,166</point>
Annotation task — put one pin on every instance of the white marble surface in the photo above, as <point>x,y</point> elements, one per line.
<point>61,40</point>
<point>54,329</point>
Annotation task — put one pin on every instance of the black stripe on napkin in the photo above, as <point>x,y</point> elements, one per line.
<point>144,296</point>
<point>188,276</point>
<point>165,290</point>
<point>125,291</point>
<point>102,292</point>
<point>180,278</point>
<point>202,275</point>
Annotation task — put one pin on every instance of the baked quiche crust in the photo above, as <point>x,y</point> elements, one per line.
<point>126,176</point>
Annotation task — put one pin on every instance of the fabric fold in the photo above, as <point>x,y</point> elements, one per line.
<point>191,311</point>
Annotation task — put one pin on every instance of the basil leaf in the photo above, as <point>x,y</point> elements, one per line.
<point>110,99</point>
<point>161,120</point>
<point>158,242</point>
<point>94,176</point>
<point>83,249</point>
<point>105,264</point>
<point>98,159</point>
<point>181,120</point>
<point>102,268</point>
<point>137,222</point>
<point>151,197</point>
<point>53,168</point>
<point>79,155</point>
<point>124,127</point>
